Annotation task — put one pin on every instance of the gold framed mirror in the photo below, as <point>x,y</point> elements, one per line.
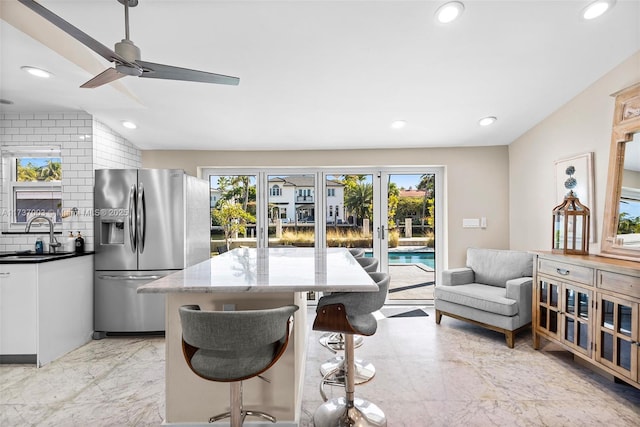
<point>621,228</point>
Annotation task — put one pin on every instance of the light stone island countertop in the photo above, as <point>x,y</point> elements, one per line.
<point>269,270</point>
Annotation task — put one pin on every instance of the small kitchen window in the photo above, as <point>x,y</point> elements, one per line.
<point>34,186</point>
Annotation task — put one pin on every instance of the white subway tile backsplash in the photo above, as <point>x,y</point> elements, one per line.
<point>86,144</point>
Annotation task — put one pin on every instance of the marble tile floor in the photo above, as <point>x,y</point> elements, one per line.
<point>454,374</point>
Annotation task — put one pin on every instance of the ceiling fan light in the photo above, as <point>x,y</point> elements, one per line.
<point>37,72</point>
<point>486,121</point>
<point>449,12</point>
<point>597,8</point>
<point>129,124</point>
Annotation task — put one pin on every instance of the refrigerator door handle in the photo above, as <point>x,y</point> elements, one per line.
<point>128,277</point>
<point>142,212</point>
<point>132,215</point>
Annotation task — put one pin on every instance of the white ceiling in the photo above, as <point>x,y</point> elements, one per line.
<point>320,74</point>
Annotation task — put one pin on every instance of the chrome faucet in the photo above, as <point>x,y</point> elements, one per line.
<point>53,242</point>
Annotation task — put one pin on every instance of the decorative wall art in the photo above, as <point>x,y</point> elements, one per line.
<point>583,175</point>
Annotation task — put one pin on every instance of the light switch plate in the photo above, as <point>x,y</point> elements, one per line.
<point>470,223</point>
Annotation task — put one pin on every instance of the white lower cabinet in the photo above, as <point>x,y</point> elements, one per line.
<point>18,309</point>
<point>46,309</point>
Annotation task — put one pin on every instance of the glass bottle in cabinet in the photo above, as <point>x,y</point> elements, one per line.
<point>618,335</point>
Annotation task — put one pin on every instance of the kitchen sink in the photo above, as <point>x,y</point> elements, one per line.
<point>33,256</point>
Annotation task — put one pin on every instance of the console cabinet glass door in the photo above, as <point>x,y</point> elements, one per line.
<point>617,335</point>
<point>575,317</point>
<point>548,294</point>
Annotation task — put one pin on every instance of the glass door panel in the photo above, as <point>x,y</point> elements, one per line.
<point>624,325</point>
<point>548,307</point>
<point>409,252</point>
<point>617,323</point>
<point>291,209</point>
<point>233,211</point>
<point>554,295</point>
<point>576,315</point>
<point>349,211</point>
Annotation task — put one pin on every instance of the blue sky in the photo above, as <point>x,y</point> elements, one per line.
<point>633,209</point>
<point>37,161</point>
<point>406,181</point>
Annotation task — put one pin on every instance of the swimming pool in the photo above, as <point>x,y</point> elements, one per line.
<point>426,258</point>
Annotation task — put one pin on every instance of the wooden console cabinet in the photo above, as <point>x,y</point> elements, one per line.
<point>590,305</point>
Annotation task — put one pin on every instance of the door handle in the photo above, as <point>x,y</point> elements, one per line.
<point>381,232</point>
<point>113,277</point>
<point>142,212</point>
<point>132,215</point>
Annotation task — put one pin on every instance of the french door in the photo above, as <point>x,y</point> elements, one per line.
<point>394,214</point>
<point>409,233</point>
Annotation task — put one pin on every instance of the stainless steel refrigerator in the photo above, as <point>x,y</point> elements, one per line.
<point>148,223</point>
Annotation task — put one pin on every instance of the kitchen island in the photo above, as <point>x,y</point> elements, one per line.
<point>249,278</point>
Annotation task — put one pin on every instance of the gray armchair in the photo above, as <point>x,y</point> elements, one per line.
<point>493,291</point>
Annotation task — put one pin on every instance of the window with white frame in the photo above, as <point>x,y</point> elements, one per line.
<point>34,184</point>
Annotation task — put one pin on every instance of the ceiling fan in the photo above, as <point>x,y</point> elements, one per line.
<point>126,54</point>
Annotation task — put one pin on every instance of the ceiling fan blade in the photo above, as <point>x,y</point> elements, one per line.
<point>107,76</point>
<point>169,72</point>
<point>74,32</point>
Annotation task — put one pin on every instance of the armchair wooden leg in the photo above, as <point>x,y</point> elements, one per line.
<point>510,336</point>
<point>438,317</point>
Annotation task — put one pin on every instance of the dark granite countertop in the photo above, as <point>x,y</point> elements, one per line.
<point>30,257</point>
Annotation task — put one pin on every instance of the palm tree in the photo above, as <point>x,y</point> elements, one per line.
<point>427,182</point>
<point>358,200</point>
<point>27,173</point>
<point>52,171</point>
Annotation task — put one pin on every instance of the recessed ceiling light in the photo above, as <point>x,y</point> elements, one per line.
<point>597,8</point>
<point>486,121</point>
<point>449,12</point>
<point>398,124</point>
<point>38,72</point>
<point>129,125</point>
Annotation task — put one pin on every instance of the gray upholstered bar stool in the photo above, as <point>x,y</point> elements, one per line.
<point>370,265</point>
<point>334,341</point>
<point>357,252</point>
<point>350,313</point>
<point>232,346</point>
<point>333,370</point>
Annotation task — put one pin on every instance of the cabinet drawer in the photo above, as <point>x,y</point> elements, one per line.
<point>564,271</point>
<point>627,285</point>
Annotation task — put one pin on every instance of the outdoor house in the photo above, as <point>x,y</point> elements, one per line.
<point>292,199</point>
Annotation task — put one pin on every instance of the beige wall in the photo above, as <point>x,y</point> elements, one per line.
<point>582,125</point>
<point>476,180</point>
